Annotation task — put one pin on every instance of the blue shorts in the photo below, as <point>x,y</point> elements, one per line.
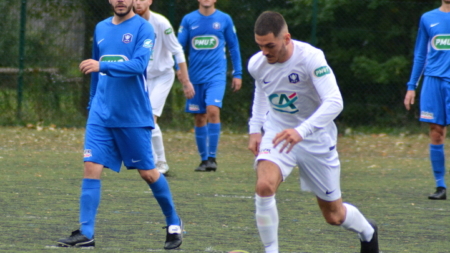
<point>206,94</point>
<point>435,101</point>
<point>111,146</point>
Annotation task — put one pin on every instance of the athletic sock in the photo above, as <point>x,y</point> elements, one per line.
<point>162,194</point>
<point>267,222</point>
<point>355,221</point>
<point>89,202</point>
<point>158,144</point>
<point>437,158</point>
<point>214,136</point>
<point>201,135</point>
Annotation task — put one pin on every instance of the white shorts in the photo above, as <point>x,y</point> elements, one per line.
<point>318,162</point>
<point>158,90</point>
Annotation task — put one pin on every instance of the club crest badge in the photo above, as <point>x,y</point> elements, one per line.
<point>127,37</point>
<point>216,25</point>
<point>293,78</point>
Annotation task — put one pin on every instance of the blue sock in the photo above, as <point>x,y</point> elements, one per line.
<point>162,194</point>
<point>201,135</point>
<point>214,135</point>
<point>437,158</point>
<point>89,201</point>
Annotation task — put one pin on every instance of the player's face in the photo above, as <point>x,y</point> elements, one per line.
<point>207,3</point>
<point>273,48</point>
<point>122,7</point>
<point>140,6</point>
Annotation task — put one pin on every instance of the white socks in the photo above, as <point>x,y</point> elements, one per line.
<point>267,222</point>
<point>158,145</point>
<point>355,221</point>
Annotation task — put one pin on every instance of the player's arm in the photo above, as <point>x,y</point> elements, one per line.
<point>233,46</point>
<point>420,54</point>
<point>140,58</point>
<point>259,110</point>
<point>325,83</point>
<point>183,34</point>
<point>94,75</point>
<point>172,44</point>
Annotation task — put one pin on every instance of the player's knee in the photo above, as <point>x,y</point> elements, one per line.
<point>334,219</point>
<point>265,188</point>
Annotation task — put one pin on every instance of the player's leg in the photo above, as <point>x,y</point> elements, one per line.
<point>197,106</point>
<point>99,150</point>
<point>320,172</point>
<point>214,97</point>
<point>434,110</point>
<point>268,179</point>
<point>135,148</point>
<point>272,167</point>
<point>158,96</point>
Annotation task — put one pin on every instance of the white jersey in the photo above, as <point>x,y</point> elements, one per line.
<point>300,93</point>
<point>166,46</point>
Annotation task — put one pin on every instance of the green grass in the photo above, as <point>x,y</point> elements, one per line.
<point>386,176</point>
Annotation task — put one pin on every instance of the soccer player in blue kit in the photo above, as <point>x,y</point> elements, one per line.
<point>120,119</point>
<point>204,33</point>
<point>432,58</point>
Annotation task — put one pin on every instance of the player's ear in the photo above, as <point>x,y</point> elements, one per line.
<point>287,38</point>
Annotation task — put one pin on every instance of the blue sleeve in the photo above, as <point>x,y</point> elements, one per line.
<point>233,47</point>
<point>94,75</point>
<point>139,60</point>
<point>420,55</point>
<point>183,34</point>
<point>176,64</point>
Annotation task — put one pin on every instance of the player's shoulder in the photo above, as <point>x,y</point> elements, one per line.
<point>306,50</point>
<point>256,61</point>
<point>105,22</point>
<point>159,18</point>
<point>192,15</point>
<point>431,14</point>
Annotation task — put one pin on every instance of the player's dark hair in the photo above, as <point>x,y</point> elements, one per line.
<point>270,22</point>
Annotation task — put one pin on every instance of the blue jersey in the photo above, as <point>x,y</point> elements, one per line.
<point>432,51</point>
<point>118,92</point>
<point>205,38</point>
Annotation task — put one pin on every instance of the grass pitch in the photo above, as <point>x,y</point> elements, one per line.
<point>387,177</point>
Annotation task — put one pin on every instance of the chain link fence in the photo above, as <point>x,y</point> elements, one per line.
<point>368,43</point>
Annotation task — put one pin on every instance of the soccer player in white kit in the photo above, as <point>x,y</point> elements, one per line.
<point>160,73</point>
<point>296,100</point>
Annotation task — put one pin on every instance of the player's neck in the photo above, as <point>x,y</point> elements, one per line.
<point>119,19</point>
<point>445,7</point>
<point>206,11</point>
<point>146,15</point>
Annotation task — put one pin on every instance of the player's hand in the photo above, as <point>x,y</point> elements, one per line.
<point>188,90</point>
<point>254,142</point>
<point>290,138</point>
<point>88,66</point>
<point>236,84</point>
<point>409,99</point>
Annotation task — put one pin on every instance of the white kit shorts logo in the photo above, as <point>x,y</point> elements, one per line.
<point>283,102</point>
<point>127,37</point>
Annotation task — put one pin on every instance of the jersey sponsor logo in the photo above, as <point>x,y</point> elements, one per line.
<point>433,25</point>
<point>283,102</point>
<point>113,58</point>
<point>216,25</point>
<point>180,29</point>
<point>206,42</point>
<point>426,115</point>
<point>87,153</point>
<point>293,78</point>
<point>127,38</point>
<point>322,71</point>
<point>148,43</point>
<point>168,31</point>
<point>234,29</point>
<point>441,42</point>
<point>195,27</point>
